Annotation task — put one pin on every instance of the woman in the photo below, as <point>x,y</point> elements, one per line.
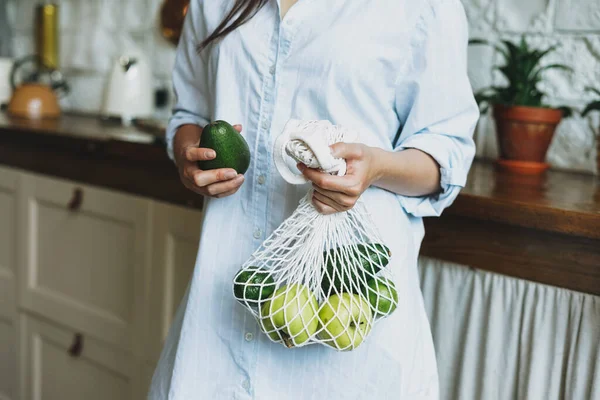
<point>395,71</point>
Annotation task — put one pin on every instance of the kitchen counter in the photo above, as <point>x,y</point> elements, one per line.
<point>542,229</point>
<point>89,150</point>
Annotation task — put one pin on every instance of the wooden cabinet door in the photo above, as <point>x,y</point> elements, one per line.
<point>59,365</point>
<point>176,234</point>
<point>83,251</point>
<point>8,284</point>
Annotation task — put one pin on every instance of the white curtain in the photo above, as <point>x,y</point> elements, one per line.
<point>503,338</point>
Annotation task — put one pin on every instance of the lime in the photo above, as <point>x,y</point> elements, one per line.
<point>382,296</point>
<point>253,284</point>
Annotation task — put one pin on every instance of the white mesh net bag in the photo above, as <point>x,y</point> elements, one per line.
<point>317,278</point>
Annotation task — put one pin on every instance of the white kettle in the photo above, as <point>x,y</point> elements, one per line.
<point>129,93</point>
<point>6,65</point>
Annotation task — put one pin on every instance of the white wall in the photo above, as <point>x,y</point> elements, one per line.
<point>94,32</point>
<point>575,25</point>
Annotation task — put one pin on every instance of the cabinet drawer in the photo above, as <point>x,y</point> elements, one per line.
<point>8,283</point>
<point>58,366</point>
<point>83,252</point>
<point>8,359</point>
<point>8,231</point>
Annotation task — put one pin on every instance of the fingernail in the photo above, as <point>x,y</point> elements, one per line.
<point>209,154</point>
<point>230,174</point>
<point>301,167</point>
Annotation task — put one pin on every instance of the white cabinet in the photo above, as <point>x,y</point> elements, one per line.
<point>8,360</point>
<point>176,233</point>
<point>8,272</point>
<point>83,252</point>
<point>90,280</point>
<point>59,365</point>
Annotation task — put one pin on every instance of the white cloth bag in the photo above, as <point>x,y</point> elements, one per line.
<point>317,278</point>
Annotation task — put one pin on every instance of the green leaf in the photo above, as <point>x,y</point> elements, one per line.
<point>537,74</point>
<point>593,90</point>
<point>566,110</point>
<point>522,72</point>
<point>513,51</point>
<point>539,54</point>
<point>593,106</point>
<point>488,43</point>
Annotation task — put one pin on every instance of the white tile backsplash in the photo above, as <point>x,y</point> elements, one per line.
<point>164,55</point>
<point>23,44</point>
<point>68,14</point>
<point>522,16</point>
<point>24,15</point>
<point>87,92</point>
<point>95,32</point>
<point>578,15</point>
<point>138,16</point>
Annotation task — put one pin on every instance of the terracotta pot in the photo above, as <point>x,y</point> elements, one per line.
<point>598,153</point>
<point>525,133</point>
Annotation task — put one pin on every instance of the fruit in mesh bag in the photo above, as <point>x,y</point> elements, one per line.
<point>340,277</point>
<point>293,311</point>
<point>346,320</point>
<point>253,284</point>
<point>382,295</point>
<point>267,327</point>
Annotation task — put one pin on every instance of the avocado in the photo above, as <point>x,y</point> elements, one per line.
<point>254,284</point>
<point>373,257</point>
<point>230,146</point>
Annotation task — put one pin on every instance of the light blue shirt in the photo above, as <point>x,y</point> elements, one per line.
<point>396,72</point>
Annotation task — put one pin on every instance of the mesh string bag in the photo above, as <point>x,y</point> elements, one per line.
<point>317,278</point>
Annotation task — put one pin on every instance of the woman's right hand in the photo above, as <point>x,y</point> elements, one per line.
<point>213,183</point>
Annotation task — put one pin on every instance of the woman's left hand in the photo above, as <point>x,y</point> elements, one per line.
<point>334,194</point>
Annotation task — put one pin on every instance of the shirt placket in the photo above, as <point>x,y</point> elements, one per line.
<point>262,177</point>
<point>261,185</point>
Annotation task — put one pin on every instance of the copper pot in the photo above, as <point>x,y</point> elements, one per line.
<point>172,16</point>
<point>524,136</point>
<point>34,101</point>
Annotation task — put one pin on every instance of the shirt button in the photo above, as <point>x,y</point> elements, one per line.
<point>257,233</point>
<point>272,70</point>
<point>246,384</point>
<point>265,124</point>
<point>261,179</point>
<point>249,336</point>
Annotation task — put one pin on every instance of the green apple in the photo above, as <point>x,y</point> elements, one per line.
<point>382,296</point>
<point>346,320</point>
<point>293,310</point>
<point>266,325</point>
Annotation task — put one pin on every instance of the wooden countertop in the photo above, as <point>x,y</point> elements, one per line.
<point>89,150</point>
<point>563,202</point>
<point>543,229</point>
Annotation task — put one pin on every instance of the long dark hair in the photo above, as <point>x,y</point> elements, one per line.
<point>242,12</point>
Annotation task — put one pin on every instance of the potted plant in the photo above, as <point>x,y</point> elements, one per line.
<point>525,125</point>
<point>594,106</point>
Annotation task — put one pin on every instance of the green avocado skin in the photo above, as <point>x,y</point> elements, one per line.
<point>370,261</point>
<point>230,146</point>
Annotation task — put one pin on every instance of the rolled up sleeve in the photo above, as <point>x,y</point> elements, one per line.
<point>190,84</point>
<point>436,105</point>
